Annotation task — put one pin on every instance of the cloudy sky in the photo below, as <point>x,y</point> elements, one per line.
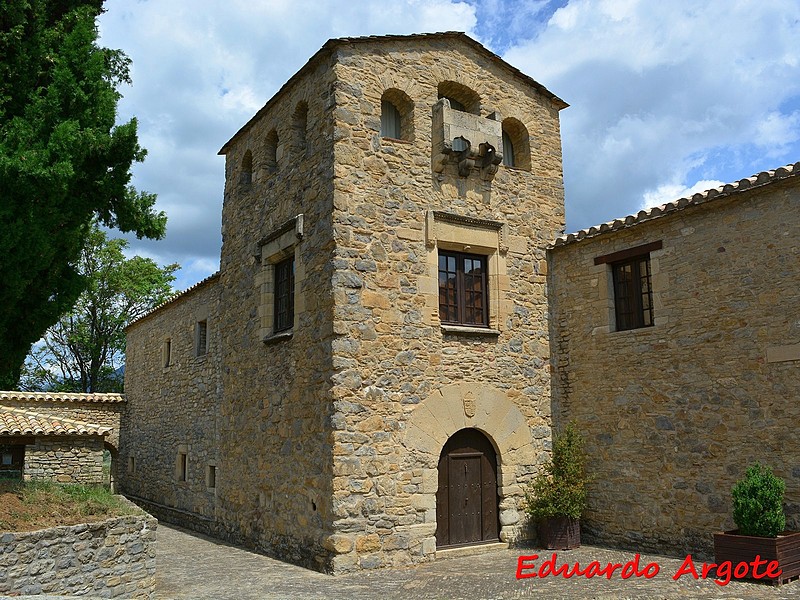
<point>667,97</point>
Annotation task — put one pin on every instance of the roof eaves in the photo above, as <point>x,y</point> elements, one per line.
<point>175,297</point>
<point>20,396</point>
<point>747,184</point>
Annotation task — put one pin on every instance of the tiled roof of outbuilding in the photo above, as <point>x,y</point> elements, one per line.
<point>15,421</point>
<point>61,397</point>
<point>729,189</point>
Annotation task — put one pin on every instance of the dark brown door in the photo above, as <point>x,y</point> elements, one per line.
<point>466,502</point>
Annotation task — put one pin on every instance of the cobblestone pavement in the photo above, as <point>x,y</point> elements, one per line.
<point>191,566</point>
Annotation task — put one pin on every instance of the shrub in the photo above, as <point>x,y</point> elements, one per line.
<point>758,503</point>
<point>560,489</point>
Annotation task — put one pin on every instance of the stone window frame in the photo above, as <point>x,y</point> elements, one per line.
<point>211,476</point>
<point>246,170</point>
<point>608,262</point>
<point>201,337</point>
<point>182,464</point>
<point>277,246</point>
<point>283,294</point>
<point>273,151</point>
<point>167,353</point>
<point>469,235</point>
<point>462,304</point>
<point>517,136</point>
<point>403,105</point>
<point>462,98</point>
<point>300,129</point>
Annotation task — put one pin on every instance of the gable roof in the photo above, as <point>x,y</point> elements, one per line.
<point>334,43</point>
<point>725,191</point>
<point>16,421</point>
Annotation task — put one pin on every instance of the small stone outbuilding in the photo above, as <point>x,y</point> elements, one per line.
<point>59,437</point>
<point>366,380</point>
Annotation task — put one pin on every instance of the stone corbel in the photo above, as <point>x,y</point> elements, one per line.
<point>490,161</point>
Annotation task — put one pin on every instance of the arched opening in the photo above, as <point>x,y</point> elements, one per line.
<point>460,96</point>
<point>246,175</point>
<point>271,154</point>
<point>300,126</point>
<point>467,501</point>
<point>516,144</point>
<point>397,115</point>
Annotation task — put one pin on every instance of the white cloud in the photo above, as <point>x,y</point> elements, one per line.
<point>673,191</point>
<point>202,68</point>
<point>666,93</point>
<point>663,94</point>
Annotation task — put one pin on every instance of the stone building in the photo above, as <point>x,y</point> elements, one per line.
<point>366,380</point>
<point>676,347</point>
<point>60,437</point>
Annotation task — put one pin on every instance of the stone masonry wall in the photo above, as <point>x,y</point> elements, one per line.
<point>673,414</point>
<point>110,559</point>
<point>173,409</point>
<point>402,383</point>
<point>276,409</point>
<point>65,459</point>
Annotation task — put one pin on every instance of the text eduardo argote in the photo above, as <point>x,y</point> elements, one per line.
<point>758,568</point>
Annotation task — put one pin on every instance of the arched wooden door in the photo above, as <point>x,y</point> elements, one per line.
<point>466,502</point>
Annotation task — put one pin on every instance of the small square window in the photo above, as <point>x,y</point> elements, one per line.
<point>633,293</point>
<point>284,295</point>
<point>463,290</point>
<point>201,338</point>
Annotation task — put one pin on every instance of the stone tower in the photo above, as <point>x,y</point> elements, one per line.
<point>366,379</point>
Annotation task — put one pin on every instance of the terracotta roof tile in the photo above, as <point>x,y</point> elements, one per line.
<point>60,397</point>
<point>15,421</point>
<point>724,191</point>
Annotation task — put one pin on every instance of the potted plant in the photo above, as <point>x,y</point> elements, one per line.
<point>556,497</point>
<point>760,521</point>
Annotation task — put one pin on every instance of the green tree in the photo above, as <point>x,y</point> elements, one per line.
<point>83,350</point>
<point>63,163</point>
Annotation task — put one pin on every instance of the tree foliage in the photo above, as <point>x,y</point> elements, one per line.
<point>63,163</point>
<point>758,502</point>
<point>559,490</point>
<point>82,351</point>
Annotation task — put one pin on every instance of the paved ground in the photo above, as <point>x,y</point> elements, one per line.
<point>191,566</point>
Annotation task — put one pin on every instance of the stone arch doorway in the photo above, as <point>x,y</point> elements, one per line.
<point>466,500</point>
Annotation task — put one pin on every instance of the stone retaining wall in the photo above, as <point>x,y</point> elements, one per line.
<point>115,558</point>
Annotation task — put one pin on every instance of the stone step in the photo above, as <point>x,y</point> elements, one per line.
<point>470,550</point>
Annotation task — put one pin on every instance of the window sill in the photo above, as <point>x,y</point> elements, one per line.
<point>397,140</point>
<point>467,330</point>
<point>277,337</point>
